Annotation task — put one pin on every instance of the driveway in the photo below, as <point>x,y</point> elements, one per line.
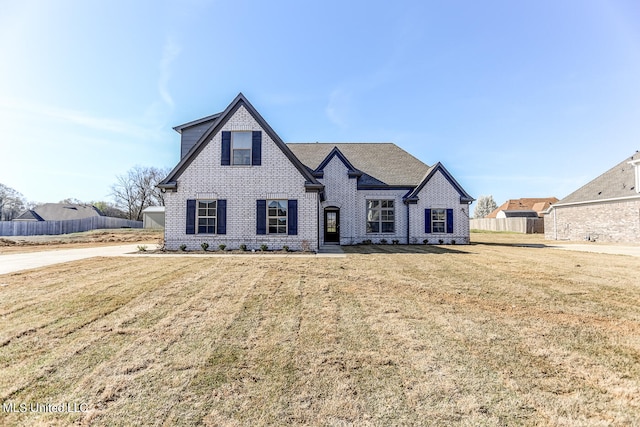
<point>25,261</point>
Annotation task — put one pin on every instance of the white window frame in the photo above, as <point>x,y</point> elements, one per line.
<point>206,216</point>
<point>234,149</point>
<point>278,221</point>
<point>436,221</point>
<point>379,214</point>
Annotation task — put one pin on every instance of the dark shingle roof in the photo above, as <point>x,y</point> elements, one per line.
<point>386,162</point>
<point>617,182</point>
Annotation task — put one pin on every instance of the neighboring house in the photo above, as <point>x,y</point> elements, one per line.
<point>606,209</point>
<point>238,183</point>
<point>59,212</point>
<point>153,217</point>
<point>512,206</point>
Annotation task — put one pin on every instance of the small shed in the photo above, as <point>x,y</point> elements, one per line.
<point>153,217</point>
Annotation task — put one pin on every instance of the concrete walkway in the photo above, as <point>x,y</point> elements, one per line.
<point>18,262</point>
<point>599,248</point>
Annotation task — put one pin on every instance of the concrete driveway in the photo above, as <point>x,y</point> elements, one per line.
<point>18,262</point>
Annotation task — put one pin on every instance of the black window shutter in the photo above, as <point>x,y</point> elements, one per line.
<point>222,217</point>
<point>261,217</point>
<point>292,218</point>
<point>191,216</point>
<point>226,148</point>
<point>449,221</point>
<point>427,221</point>
<point>256,148</point>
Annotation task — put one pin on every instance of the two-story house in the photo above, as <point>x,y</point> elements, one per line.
<point>237,183</point>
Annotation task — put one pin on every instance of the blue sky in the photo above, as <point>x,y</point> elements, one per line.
<point>516,99</point>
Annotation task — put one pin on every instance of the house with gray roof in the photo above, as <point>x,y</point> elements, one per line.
<point>605,209</point>
<point>59,212</point>
<point>237,183</point>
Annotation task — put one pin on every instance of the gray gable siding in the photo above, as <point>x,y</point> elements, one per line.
<point>191,135</point>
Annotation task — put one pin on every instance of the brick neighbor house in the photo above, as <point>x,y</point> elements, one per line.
<point>606,209</point>
<point>237,183</point>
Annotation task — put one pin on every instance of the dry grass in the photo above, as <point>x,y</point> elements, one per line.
<point>485,334</point>
<point>21,244</point>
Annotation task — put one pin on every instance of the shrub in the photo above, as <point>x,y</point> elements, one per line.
<point>222,246</point>
<point>264,247</point>
<point>383,241</point>
<point>425,241</point>
<point>395,242</point>
<point>453,242</point>
<point>142,248</point>
<point>366,242</point>
<point>183,247</point>
<point>441,241</point>
<point>285,248</point>
<point>204,246</point>
<point>243,247</point>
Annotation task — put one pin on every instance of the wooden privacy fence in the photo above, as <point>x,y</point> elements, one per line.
<point>517,225</point>
<point>35,228</point>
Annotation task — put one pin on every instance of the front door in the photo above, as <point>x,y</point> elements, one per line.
<point>332,226</point>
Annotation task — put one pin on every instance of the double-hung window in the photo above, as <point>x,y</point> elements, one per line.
<point>438,220</point>
<point>241,148</point>
<point>380,216</point>
<point>207,216</point>
<point>277,216</point>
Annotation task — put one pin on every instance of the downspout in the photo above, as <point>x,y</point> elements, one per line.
<point>318,223</point>
<point>555,225</point>
<point>408,224</point>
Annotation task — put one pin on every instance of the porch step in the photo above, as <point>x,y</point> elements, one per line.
<point>330,249</point>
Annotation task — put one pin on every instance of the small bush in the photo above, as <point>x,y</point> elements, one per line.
<point>425,241</point>
<point>243,247</point>
<point>366,242</point>
<point>183,247</point>
<point>142,248</point>
<point>264,247</point>
<point>453,242</point>
<point>441,241</point>
<point>395,242</point>
<point>285,248</point>
<point>204,246</point>
<point>383,241</point>
<point>222,246</point>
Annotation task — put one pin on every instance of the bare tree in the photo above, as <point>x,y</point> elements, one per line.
<point>136,190</point>
<point>485,206</point>
<point>12,203</point>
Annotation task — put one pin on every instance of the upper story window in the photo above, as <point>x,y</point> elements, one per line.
<point>380,216</point>
<point>241,148</point>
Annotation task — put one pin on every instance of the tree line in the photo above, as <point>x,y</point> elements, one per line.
<point>132,192</point>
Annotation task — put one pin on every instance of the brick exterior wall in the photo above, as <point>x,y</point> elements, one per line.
<point>438,193</point>
<point>341,192</point>
<point>241,186</point>
<point>604,222</point>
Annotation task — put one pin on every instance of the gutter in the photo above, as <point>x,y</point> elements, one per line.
<point>588,202</point>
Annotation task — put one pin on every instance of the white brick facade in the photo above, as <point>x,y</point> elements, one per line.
<point>341,192</point>
<point>438,193</point>
<point>277,174</point>
<point>241,186</point>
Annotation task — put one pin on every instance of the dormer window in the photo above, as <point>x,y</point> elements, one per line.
<point>241,148</point>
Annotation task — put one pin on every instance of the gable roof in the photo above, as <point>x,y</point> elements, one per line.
<point>539,204</point>
<point>203,120</point>
<point>464,196</point>
<point>382,163</point>
<point>218,121</point>
<point>59,212</point>
<point>619,182</point>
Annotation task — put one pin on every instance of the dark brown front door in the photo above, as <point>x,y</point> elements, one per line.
<point>332,226</point>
